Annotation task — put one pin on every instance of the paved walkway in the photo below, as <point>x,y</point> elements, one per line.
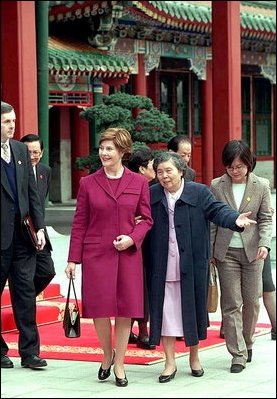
<point>73,379</point>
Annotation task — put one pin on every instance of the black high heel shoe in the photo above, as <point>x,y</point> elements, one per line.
<point>103,374</point>
<point>249,355</point>
<point>197,373</point>
<point>120,382</point>
<point>167,378</point>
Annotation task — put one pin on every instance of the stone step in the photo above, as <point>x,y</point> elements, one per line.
<point>47,312</point>
<point>52,291</point>
<point>50,305</point>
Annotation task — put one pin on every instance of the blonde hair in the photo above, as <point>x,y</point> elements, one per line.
<point>121,138</point>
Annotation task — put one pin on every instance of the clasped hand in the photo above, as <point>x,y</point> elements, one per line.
<point>123,242</point>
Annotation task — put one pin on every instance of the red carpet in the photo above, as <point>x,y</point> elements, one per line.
<point>54,345</point>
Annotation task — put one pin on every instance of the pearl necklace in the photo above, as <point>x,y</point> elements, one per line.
<point>117,176</point>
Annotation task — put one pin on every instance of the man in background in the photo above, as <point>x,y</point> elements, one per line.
<point>45,270</point>
<point>181,144</point>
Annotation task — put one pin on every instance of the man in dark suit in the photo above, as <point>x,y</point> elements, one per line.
<point>19,197</point>
<point>181,144</point>
<point>45,270</point>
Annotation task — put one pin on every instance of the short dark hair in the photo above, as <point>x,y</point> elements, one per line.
<point>30,138</point>
<point>238,149</point>
<point>165,156</point>
<point>173,143</point>
<point>140,157</point>
<point>6,108</point>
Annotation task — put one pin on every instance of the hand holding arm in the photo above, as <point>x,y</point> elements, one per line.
<point>244,221</point>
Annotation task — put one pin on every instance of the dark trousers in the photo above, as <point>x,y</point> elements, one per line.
<point>268,284</point>
<point>45,270</point>
<point>18,262</point>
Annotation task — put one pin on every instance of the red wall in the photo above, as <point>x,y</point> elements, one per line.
<point>19,63</point>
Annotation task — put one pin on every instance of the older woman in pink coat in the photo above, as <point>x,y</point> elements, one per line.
<point>107,242</point>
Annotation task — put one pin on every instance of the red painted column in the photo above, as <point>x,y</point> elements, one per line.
<point>139,80</point>
<point>226,54</point>
<point>79,148</point>
<point>207,126</point>
<point>19,63</point>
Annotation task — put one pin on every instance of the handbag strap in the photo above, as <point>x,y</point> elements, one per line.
<point>71,281</point>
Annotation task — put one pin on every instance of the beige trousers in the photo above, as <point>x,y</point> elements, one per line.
<point>241,288</point>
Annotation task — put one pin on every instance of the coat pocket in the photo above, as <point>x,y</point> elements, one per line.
<point>92,240</point>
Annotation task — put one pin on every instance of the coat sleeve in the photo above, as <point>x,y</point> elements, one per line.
<point>218,212</point>
<point>79,225</point>
<point>264,215</point>
<point>143,210</point>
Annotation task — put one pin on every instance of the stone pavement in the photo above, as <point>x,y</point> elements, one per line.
<point>74,379</point>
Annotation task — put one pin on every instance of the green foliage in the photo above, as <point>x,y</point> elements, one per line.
<point>137,145</point>
<point>128,101</point>
<point>118,110</point>
<point>153,126</point>
<point>108,116</point>
<point>91,162</point>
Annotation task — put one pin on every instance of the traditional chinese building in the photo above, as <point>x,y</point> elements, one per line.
<point>210,65</point>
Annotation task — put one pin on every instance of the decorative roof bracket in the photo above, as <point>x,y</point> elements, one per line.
<point>269,72</point>
<point>198,66</point>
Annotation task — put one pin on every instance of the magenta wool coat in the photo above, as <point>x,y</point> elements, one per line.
<point>112,281</point>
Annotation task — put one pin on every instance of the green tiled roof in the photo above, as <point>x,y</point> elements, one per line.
<point>184,15</point>
<point>79,57</point>
<point>185,12</point>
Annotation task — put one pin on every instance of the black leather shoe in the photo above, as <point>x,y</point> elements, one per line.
<point>103,374</point>
<point>6,362</point>
<point>273,335</point>
<point>167,378</point>
<point>236,368</point>
<point>144,343</point>
<point>121,382</point>
<point>33,362</point>
<point>249,355</point>
<point>133,338</point>
<point>197,373</point>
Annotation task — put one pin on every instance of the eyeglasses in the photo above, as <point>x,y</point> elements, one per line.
<point>35,153</point>
<point>238,168</point>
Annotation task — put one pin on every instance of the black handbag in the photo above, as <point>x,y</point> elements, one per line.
<point>72,319</point>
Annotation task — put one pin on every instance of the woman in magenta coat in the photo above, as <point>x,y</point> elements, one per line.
<point>107,242</point>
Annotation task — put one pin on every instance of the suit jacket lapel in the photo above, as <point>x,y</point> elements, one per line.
<point>248,193</point>
<point>228,192</point>
<point>102,179</point>
<point>4,181</point>
<point>124,181</point>
<point>19,161</point>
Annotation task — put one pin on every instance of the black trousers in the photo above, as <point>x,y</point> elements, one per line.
<point>268,284</point>
<point>45,270</point>
<point>19,265</point>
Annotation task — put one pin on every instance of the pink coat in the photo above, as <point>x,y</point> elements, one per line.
<point>112,281</point>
